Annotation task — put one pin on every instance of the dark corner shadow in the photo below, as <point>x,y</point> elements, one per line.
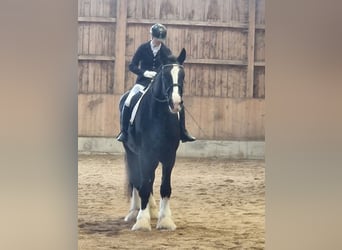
<point>109,227</point>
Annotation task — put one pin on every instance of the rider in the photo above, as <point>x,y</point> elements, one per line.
<point>149,57</point>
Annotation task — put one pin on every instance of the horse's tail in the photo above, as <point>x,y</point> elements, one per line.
<point>129,186</point>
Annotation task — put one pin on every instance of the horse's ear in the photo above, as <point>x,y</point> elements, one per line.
<point>182,56</point>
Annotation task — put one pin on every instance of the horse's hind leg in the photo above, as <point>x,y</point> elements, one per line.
<point>153,207</point>
<point>165,219</point>
<point>135,206</point>
<point>132,172</point>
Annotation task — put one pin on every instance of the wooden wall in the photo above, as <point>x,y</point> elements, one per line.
<point>225,66</point>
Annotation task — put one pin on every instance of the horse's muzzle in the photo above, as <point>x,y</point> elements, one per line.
<point>175,108</point>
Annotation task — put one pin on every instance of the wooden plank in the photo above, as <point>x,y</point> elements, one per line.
<point>216,62</point>
<point>243,82</point>
<point>99,40</point>
<point>98,81</point>
<point>218,81</point>
<point>93,7</point>
<point>85,39</point>
<point>226,45</point>
<point>250,49</point>
<point>219,45</point>
<point>200,43</point>
<point>259,46</point>
<point>92,78</point>
<point>83,77</point>
<point>235,83</point>
<point>211,80</point>
<point>186,87</point>
<point>110,76</point>
<point>104,79</point>
<point>92,35</point>
<point>199,81</point>
<point>193,81</point>
<point>157,10</point>
<point>228,119</point>
<point>260,12</point>
<point>259,82</point>
<point>205,80</point>
<point>225,118</point>
<point>210,116</point>
<point>192,115</point>
<point>120,47</point>
<point>226,83</point>
<point>99,8</point>
<point>207,40</point>
<point>259,64</point>
<point>85,8</point>
<point>230,83</point>
<point>95,58</point>
<point>98,115</point>
<point>80,39</point>
<point>174,22</point>
<point>96,19</point>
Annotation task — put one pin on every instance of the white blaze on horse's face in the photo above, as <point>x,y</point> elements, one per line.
<point>176,98</point>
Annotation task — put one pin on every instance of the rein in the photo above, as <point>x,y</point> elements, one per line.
<point>167,90</point>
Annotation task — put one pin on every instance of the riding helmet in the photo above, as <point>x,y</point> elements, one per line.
<point>158,31</point>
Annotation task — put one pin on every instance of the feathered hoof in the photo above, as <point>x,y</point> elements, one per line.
<point>142,225</point>
<point>132,215</point>
<point>166,223</point>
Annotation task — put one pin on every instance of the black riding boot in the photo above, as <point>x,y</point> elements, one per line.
<point>184,135</point>
<point>125,116</point>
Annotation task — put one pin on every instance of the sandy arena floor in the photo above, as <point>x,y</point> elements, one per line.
<point>215,203</point>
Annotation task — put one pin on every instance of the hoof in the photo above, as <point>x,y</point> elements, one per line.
<point>166,223</point>
<point>142,225</point>
<point>132,215</point>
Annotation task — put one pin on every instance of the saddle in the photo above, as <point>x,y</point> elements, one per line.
<point>135,102</point>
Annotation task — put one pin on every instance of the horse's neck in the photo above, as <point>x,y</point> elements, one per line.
<point>156,101</point>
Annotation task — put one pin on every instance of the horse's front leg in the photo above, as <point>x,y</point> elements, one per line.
<point>165,218</point>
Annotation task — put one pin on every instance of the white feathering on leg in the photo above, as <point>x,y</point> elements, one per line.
<point>165,220</point>
<point>143,220</point>
<point>153,207</point>
<point>135,206</point>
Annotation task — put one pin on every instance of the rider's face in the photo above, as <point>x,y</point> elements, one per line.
<point>156,42</point>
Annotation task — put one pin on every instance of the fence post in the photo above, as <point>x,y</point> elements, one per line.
<point>120,47</point>
<point>250,49</point>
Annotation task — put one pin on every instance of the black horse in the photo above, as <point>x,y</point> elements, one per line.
<point>154,137</point>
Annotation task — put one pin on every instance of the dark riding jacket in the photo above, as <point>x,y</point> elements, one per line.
<point>144,58</point>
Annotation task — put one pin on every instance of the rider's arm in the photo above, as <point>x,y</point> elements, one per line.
<point>134,65</point>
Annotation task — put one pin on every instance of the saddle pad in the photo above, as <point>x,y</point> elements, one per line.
<point>136,106</point>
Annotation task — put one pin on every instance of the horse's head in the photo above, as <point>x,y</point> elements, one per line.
<point>171,81</point>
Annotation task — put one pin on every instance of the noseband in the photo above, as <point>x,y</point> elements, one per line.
<point>165,94</point>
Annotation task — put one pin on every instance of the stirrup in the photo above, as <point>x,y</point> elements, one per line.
<point>122,137</point>
<point>187,138</point>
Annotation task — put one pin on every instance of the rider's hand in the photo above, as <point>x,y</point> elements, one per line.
<point>150,74</point>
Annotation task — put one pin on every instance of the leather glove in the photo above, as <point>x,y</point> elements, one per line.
<point>150,74</point>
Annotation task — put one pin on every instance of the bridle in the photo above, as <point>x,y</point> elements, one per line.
<point>165,94</point>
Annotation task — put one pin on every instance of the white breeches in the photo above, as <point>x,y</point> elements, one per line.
<point>136,88</point>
